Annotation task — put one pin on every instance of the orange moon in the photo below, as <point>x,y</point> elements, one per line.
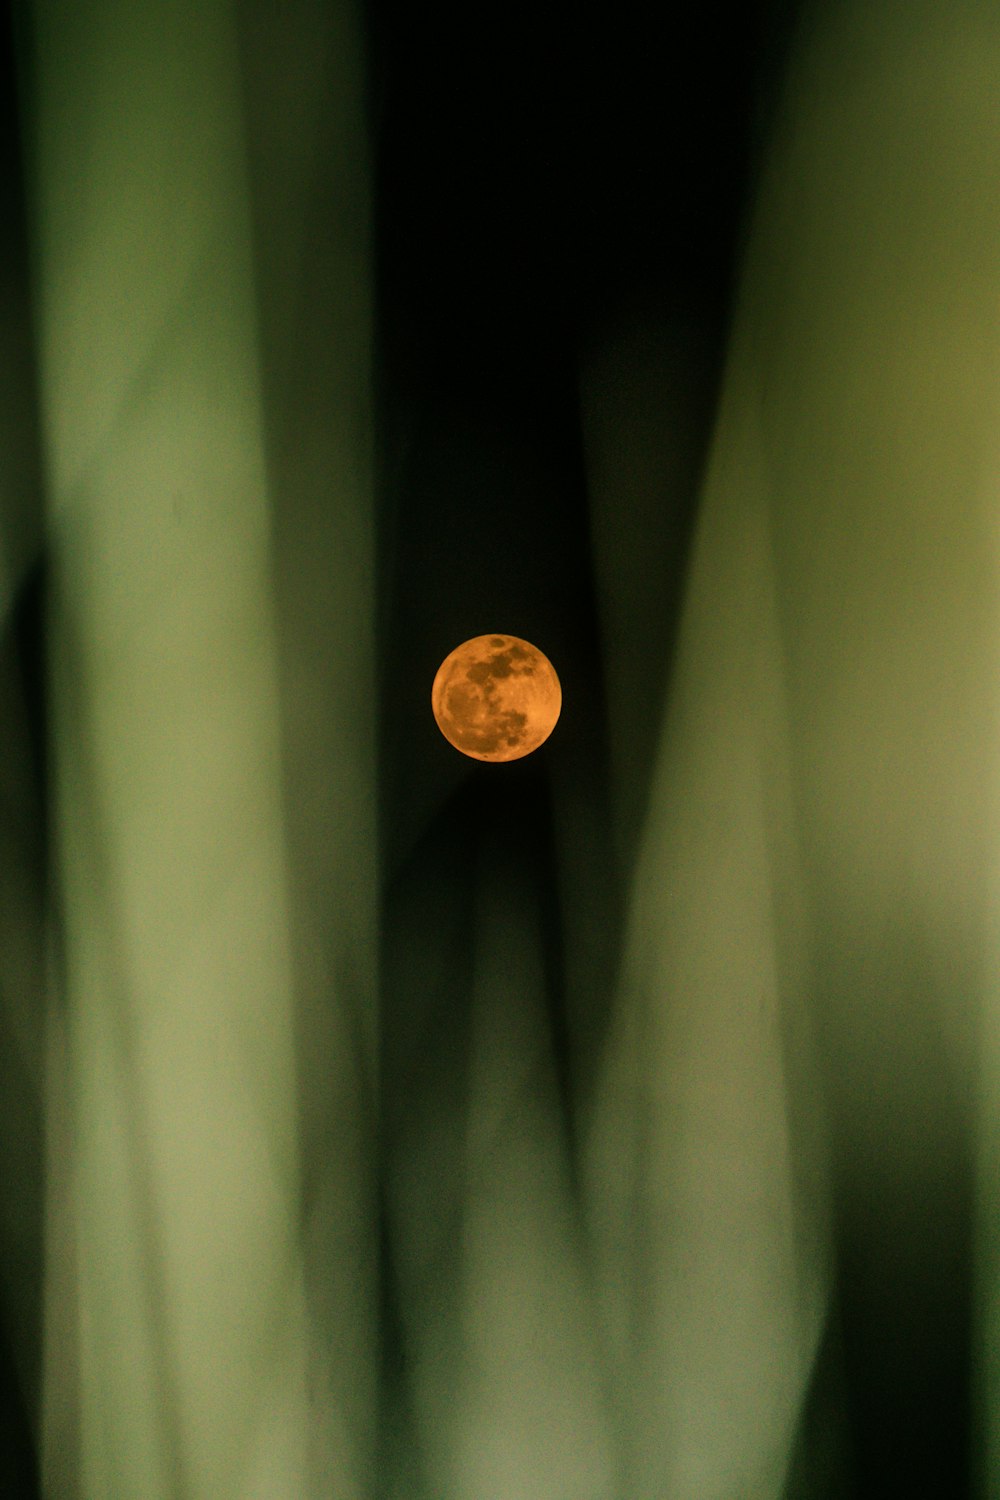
<point>496,697</point>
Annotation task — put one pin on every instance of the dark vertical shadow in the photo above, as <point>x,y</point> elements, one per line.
<point>19,1465</point>
<point>23,1002</point>
<point>24,812</point>
<point>904,1283</point>
<point>889,1406</point>
<point>821,1463</point>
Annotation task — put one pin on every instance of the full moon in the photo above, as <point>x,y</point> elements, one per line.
<point>496,697</point>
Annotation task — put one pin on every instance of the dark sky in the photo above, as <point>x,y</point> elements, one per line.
<point>545,177</point>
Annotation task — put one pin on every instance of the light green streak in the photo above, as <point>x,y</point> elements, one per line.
<point>195,1359</point>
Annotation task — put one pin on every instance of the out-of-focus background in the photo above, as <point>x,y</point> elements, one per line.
<point>616,1124</point>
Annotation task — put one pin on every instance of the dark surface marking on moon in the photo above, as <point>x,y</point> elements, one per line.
<point>486,738</point>
<point>513,661</point>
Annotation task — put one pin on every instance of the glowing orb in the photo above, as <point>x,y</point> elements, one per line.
<point>496,697</point>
